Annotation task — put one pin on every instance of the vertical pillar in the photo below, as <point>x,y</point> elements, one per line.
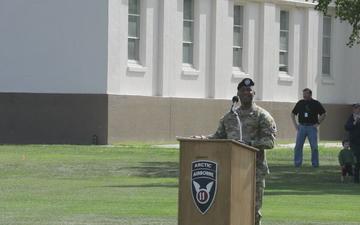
<point>222,47</point>
<point>170,42</point>
<point>268,64</point>
<point>311,52</point>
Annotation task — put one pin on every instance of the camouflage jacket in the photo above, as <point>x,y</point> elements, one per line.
<point>258,130</point>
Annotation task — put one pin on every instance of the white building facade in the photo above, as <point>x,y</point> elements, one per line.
<point>161,70</point>
<point>156,66</point>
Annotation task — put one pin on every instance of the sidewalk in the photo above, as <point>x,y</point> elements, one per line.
<point>290,145</point>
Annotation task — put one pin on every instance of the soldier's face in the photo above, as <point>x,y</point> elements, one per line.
<point>356,110</point>
<point>246,95</point>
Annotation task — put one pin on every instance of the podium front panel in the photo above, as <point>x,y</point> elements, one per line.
<point>233,189</point>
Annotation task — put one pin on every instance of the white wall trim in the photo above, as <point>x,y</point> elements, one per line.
<point>285,77</point>
<point>134,66</point>
<point>188,70</point>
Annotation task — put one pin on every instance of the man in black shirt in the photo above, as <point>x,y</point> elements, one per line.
<point>310,114</point>
<point>353,127</point>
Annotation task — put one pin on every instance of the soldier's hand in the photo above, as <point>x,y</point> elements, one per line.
<point>356,120</point>
<point>244,142</point>
<point>198,137</point>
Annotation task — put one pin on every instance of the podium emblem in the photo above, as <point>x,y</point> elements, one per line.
<point>203,184</point>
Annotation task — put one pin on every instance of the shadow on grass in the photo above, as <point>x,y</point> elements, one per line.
<point>151,170</point>
<point>154,169</point>
<point>283,180</point>
<point>144,185</point>
<point>286,180</point>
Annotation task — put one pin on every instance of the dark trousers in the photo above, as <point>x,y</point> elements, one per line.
<point>347,169</point>
<point>357,168</point>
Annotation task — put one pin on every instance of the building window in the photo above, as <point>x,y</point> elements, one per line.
<point>134,30</point>
<point>238,36</point>
<point>188,32</point>
<point>284,41</point>
<point>326,43</point>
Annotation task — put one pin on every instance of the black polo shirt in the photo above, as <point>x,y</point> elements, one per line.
<point>308,111</point>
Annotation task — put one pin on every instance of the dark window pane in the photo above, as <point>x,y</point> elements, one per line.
<point>238,15</point>
<point>238,36</point>
<point>187,53</point>
<point>134,7</point>
<point>327,26</point>
<point>237,57</point>
<point>284,40</point>
<point>284,20</point>
<point>326,47</point>
<point>326,65</point>
<point>134,26</point>
<point>133,49</point>
<point>188,9</point>
<point>188,31</point>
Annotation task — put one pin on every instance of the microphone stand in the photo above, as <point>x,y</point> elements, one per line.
<point>235,100</point>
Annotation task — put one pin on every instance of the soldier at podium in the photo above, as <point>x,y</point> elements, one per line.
<point>253,126</point>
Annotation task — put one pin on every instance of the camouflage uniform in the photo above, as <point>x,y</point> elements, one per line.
<point>258,130</point>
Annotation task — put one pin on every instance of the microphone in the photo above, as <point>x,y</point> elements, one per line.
<point>235,99</point>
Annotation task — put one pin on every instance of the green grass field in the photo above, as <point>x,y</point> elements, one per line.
<point>138,184</point>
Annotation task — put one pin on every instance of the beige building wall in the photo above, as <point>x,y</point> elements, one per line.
<point>76,119</point>
<point>162,119</point>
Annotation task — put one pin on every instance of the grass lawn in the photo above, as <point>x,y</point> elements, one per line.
<point>137,184</point>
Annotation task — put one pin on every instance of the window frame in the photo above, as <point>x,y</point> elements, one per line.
<point>191,20</point>
<point>329,37</point>
<point>287,50</point>
<point>137,38</point>
<point>241,46</point>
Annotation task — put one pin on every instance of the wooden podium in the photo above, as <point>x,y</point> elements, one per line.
<point>216,182</point>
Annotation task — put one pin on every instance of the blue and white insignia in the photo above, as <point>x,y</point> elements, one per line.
<point>203,184</point>
<point>247,82</point>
